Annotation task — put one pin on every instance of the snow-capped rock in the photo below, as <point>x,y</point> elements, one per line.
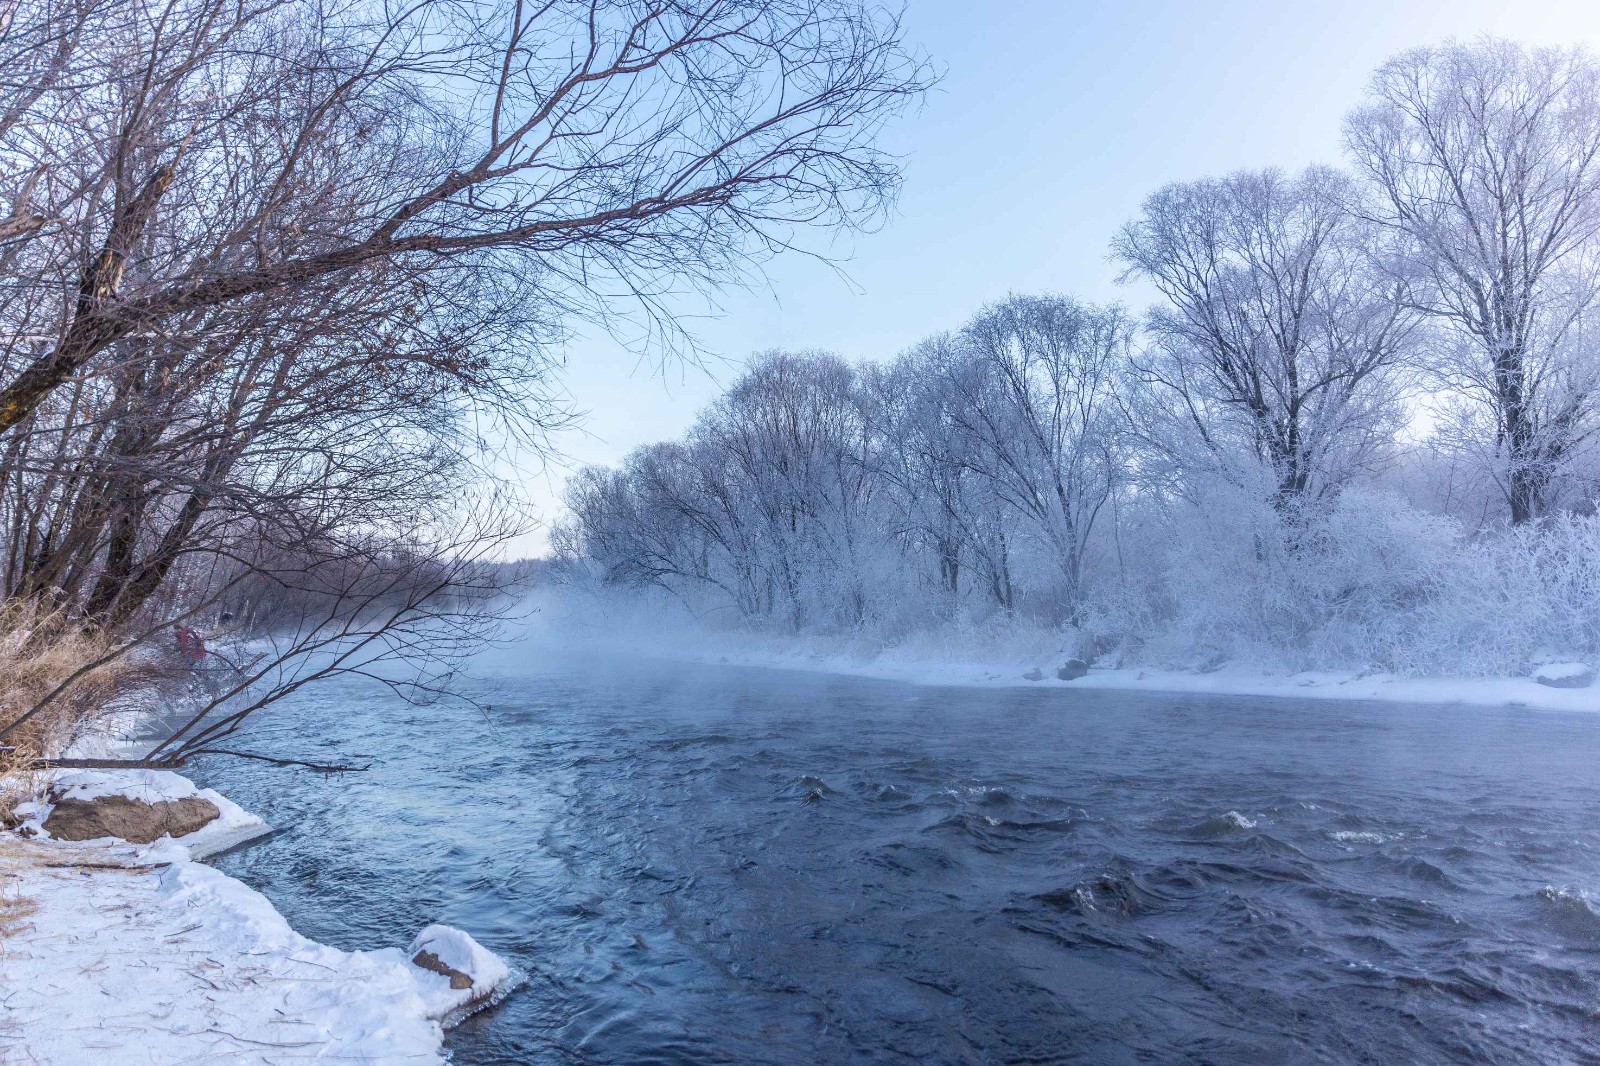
<point>1564,675</point>
<point>132,820</point>
<point>455,974</point>
<point>140,806</point>
<point>1072,669</point>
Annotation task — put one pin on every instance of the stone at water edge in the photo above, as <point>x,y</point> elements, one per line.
<point>1072,669</point>
<point>431,962</point>
<point>129,819</point>
<point>474,973</point>
<point>1564,675</point>
<point>1035,674</point>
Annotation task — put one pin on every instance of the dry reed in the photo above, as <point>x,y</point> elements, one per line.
<point>39,651</point>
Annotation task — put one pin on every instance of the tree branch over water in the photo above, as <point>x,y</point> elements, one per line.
<point>287,284</point>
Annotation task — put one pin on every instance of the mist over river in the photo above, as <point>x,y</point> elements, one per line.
<point>712,864</point>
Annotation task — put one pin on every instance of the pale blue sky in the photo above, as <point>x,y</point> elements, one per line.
<point>1053,121</point>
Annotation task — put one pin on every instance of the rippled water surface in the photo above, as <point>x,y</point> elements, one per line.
<point>708,864</point>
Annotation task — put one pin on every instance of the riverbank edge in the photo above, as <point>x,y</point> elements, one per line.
<point>1014,673</point>
<point>195,960</point>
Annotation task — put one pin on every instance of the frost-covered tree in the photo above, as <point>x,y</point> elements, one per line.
<point>791,431</point>
<point>766,507</point>
<point>1279,341</point>
<point>1486,157</point>
<point>1035,403</point>
<point>940,504</point>
<point>645,524</point>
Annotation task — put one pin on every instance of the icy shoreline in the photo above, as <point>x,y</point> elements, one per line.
<point>907,665</point>
<point>107,946</point>
<point>1325,685</point>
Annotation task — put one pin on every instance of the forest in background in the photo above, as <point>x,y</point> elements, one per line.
<point>1358,430</point>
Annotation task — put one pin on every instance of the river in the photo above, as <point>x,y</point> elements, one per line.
<point>710,864</point>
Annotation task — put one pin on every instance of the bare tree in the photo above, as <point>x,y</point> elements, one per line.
<point>276,273</point>
<point>1487,158</point>
<point>1279,337</point>
<point>201,154</point>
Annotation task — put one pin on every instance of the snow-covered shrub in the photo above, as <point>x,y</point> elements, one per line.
<point>1505,601</point>
<point>1365,583</point>
<point>1231,576</point>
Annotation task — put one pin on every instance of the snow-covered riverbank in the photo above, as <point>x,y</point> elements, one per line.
<point>1025,662</point>
<point>1237,681</point>
<point>116,952</point>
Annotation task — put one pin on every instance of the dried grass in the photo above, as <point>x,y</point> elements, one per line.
<point>38,652</point>
<point>16,857</point>
<point>13,911</point>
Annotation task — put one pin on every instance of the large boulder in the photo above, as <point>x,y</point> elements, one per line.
<point>130,819</point>
<point>1564,675</point>
<point>1072,669</point>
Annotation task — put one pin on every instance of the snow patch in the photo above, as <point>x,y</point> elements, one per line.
<point>998,669</point>
<point>198,965</point>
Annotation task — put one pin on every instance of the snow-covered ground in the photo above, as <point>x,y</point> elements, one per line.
<point>119,953</point>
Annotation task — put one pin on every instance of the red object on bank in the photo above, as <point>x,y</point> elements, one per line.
<point>191,645</point>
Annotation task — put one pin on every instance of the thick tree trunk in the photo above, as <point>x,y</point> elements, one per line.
<point>96,324</point>
<point>1525,479</point>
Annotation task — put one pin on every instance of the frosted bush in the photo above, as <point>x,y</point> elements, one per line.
<point>1233,577</point>
<point>1368,583</point>
<point>1507,600</point>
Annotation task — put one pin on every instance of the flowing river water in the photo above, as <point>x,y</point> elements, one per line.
<point>708,864</point>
